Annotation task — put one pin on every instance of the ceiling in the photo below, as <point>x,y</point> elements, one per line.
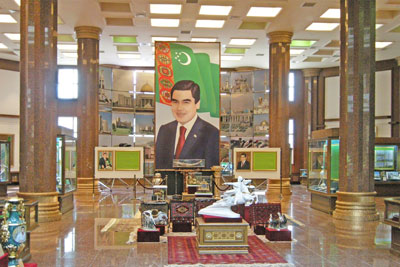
<point>132,17</point>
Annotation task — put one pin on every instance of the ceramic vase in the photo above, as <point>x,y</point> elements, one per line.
<point>13,230</point>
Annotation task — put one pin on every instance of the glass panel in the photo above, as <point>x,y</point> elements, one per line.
<point>70,164</point>
<point>59,165</point>
<point>317,156</point>
<point>67,84</point>
<point>334,165</point>
<point>392,212</point>
<point>4,162</point>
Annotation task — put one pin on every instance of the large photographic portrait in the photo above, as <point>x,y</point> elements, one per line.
<point>187,102</point>
<point>243,160</point>
<point>105,161</point>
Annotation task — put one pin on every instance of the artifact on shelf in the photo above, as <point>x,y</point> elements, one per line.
<point>159,217</point>
<point>157,179</point>
<point>148,222</point>
<point>192,179</point>
<point>238,195</point>
<point>273,222</point>
<point>204,186</point>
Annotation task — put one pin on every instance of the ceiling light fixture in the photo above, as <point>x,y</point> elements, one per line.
<point>18,2</point>
<point>242,41</point>
<point>165,8</point>
<point>215,10</point>
<point>164,22</point>
<point>201,39</point>
<point>163,39</point>
<point>379,45</point>
<point>231,58</point>
<point>6,18</point>
<point>268,12</point>
<point>207,23</point>
<point>13,36</point>
<point>129,56</point>
<point>331,13</point>
<point>322,26</point>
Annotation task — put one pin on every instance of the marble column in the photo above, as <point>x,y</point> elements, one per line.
<point>279,67</point>
<point>395,119</point>
<point>356,195</point>
<point>88,71</point>
<point>38,125</point>
<point>310,110</point>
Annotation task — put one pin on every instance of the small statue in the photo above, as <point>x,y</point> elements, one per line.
<point>273,223</point>
<point>148,222</point>
<point>282,221</point>
<point>192,180</point>
<point>160,218</point>
<point>157,179</point>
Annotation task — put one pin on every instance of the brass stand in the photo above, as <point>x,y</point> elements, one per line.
<point>48,205</point>
<point>217,180</point>
<point>274,186</point>
<point>356,206</point>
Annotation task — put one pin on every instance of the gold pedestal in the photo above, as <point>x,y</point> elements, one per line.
<point>274,186</point>
<point>217,179</point>
<point>85,185</point>
<point>221,238</point>
<point>356,206</point>
<point>48,205</point>
<point>187,196</point>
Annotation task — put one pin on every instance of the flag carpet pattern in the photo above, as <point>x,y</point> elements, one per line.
<point>182,250</point>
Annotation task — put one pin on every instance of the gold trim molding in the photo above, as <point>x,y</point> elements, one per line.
<point>88,32</point>
<point>356,206</point>
<point>311,72</point>
<point>280,37</point>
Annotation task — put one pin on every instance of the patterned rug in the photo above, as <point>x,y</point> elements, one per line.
<point>182,250</point>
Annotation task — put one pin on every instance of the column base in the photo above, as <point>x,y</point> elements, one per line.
<point>85,185</point>
<point>355,234</point>
<point>274,185</point>
<point>356,206</point>
<point>49,210</point>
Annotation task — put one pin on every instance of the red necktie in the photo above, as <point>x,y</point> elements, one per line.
<point>181,141</point>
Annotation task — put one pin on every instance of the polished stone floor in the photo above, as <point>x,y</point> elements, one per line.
<point>77,240</point>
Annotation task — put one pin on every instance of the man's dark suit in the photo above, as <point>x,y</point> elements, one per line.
<point>246,165</point>
<point>201,143</point>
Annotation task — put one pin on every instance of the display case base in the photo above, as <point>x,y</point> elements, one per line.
<point>66,202</point>
<point>278,234</point>
<point>148,236</point>
<point>259,230</point>
<point>161,229</point>
<point>181,227</point>
<point>395,248</point>
<point>221,238</point>
<point>389,188</point>
<point>323,202</point>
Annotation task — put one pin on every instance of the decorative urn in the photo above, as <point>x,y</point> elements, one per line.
<point>13,230</point>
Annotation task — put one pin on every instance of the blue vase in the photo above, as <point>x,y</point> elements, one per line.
<point>13,230</point>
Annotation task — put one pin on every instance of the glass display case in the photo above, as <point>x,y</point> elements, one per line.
<point>323,165</point>
<point>66,164</point>
<point>4,161</point>
<point>392,218</point>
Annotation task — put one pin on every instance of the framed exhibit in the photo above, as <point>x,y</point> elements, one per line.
<point>243,160</point>
<point>105,160</point>
<point>187,71</point>
<point>264,161</point>
<point>127,160</point>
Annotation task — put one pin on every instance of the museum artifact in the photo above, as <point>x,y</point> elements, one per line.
<point>148,222</point>
<point>157,179</point>
<point>159,217</point>
<point>13,230</point>
<point>238,195</point>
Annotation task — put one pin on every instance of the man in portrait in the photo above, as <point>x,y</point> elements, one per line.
<point>243,164</point>
<point>188,136</point>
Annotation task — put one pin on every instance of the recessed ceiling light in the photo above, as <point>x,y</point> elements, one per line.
<point>215,10</point>
<point>129,56</point>
<point>18,2</point>
<point>13,36</point>
<point>163,39</point>
<point>264,11</point>
<point>322,26</point>
<point>67,47</point>
<point>165,8</point>
<point>302,43</point>
<point>231,58</point>
<point>6,18</point>
<point>243,41</point>
<point>165,22</point>
<point>70,54</point>
<point>208,23</point>
<point>331,13</point>
<point>379,45</point>
<point>2,46</point>
<point>377,26</point>
<point>201,39</point>
<point>296,51</point>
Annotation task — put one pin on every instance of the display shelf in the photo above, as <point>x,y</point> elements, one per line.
<point>392,218</point>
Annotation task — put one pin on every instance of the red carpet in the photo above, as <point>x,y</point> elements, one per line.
<point>182,250</point>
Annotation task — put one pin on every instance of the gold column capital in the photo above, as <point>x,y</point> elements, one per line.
<point>89,32</point>
<point>280,37</point>
<point>311,72</point>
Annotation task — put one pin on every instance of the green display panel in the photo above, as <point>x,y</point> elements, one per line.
<point>127,160</point>
<point>265,161</point>
<point>67,160</point>
<point>335,160</point>
<point>385,157</point>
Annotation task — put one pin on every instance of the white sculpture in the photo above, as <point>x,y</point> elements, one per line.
<point>148,222</point>
<point>238,195</point>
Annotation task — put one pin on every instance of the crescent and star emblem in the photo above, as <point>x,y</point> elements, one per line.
<point>178,57</point>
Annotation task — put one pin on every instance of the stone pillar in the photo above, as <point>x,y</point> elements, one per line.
<point>88,71</point>
<point>356,195</point>
<point>217,179</point>
<point>395,120</point>
<point>38,125</point>
<point>310,110</point>
<point>279,66</point>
